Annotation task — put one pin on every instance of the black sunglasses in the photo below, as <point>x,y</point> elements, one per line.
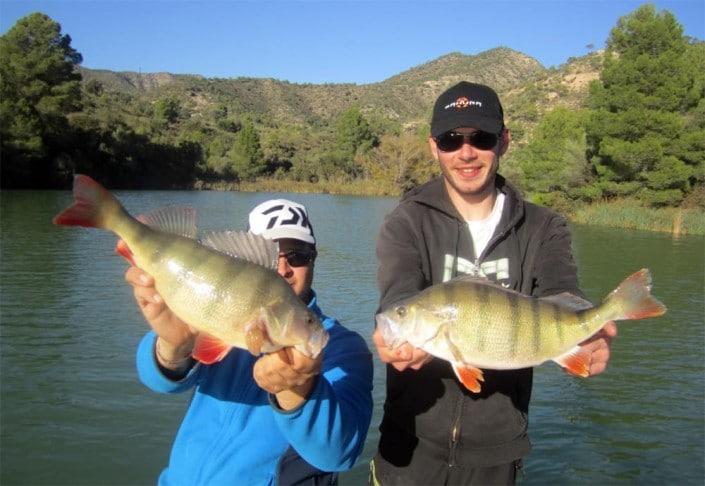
<point>452,141</point>
<point>298,257</point>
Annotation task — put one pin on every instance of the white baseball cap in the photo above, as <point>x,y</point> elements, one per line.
<point>281,218</point>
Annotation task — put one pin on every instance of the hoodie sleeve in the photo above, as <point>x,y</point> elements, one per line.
<point>329,429</point>
<point>555,270</point>
<point>399,271</point>
<point>151,374</point>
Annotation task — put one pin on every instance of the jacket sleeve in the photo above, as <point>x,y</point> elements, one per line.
<point>555,270</point>
<point>329,429</point>
<point>399,271</point>
<point>151,374</point>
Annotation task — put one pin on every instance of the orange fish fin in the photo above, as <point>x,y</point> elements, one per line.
<point>209,349</point>
<point>576,361</point>
<point>469,376</point>
<point>88,206</point>
<point>634,297</point>
<point>124,251</point>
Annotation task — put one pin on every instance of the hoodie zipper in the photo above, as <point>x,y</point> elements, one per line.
<point>455,432</point>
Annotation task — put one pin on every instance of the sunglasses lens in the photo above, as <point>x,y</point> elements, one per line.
<point>452,141</point>
<point>297,258</point>
<point>449,141</point>
<point>483,140</point>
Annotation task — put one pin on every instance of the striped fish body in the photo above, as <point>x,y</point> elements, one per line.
<point>474,324</point>
<point>212,291</point>
<point>232,302</point>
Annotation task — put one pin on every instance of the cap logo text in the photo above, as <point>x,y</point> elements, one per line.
<point>462,103</point>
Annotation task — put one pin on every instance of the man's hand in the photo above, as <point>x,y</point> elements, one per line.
<point>598,346</point>
<point>176,338</point>
<point>288,374</point>
<point>401,357</point>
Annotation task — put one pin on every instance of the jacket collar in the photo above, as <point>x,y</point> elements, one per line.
<point>435,195</point>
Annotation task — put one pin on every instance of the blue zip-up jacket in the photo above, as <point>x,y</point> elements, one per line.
<point>234,432</point>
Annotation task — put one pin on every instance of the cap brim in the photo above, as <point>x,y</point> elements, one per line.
<point>465,120</point>
<point>294,234</point>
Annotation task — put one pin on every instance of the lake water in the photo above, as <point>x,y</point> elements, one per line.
<point>74,412</point>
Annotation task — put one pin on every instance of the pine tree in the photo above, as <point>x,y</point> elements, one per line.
<point>246,155</point>
<point>640,132</point>
<point>38,87</point>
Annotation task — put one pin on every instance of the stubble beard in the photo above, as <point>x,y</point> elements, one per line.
<point>472,194</point>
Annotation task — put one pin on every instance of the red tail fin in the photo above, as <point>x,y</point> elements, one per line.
<point>87,209</point>
<point>634,297</point>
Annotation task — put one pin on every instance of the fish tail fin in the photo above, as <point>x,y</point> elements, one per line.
<point>93,206</point>
<point>632,299</point>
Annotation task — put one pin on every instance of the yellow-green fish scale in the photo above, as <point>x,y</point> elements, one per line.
<point>502,329</point>
<point>209,290</point>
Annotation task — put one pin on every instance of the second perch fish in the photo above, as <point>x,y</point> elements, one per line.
<point>474,324</point>
<point>225,287</point>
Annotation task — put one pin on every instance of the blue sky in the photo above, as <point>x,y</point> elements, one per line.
<point>328,41</point>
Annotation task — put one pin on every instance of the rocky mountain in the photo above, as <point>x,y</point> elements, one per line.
<point>522,82</point>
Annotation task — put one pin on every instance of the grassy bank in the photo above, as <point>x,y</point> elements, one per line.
<point>358,187</point>
<point>631,215</point>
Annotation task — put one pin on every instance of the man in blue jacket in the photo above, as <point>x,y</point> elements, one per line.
<point>278,418</point>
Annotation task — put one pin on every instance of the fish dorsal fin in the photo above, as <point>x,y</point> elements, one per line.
<point>244,245</point>
<point>175,220</point>
<point>568,301</point>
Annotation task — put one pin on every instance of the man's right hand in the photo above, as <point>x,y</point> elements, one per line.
<point>401,357</point>
<point>176,338</point>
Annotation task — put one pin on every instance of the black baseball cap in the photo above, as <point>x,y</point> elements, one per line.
<point>467,105</point>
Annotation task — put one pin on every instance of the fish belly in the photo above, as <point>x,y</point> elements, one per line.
<point>209,290</point>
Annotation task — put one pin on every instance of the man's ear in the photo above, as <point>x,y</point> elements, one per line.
<point>504,144</point>
<point>433,147</point>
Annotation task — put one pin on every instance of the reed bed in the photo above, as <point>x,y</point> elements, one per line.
<point>630,215</point>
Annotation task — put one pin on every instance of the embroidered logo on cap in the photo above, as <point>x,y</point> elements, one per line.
<point>462,103</point>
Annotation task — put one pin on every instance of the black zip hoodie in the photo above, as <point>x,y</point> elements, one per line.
<point>434,430</point>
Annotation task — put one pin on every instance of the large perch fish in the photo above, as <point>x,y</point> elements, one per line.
<point>225,287</point>
<point>475,324</point>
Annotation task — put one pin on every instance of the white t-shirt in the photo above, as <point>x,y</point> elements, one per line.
<point>483,229</point>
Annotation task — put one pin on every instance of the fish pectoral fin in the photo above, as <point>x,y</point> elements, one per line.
<point>576,361</point>
<point>469,376</point>
<point>124,251</point>
<point>209,349</point>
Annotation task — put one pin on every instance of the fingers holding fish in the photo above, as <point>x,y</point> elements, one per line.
<point>403,356</point>
<point>158,315</point>
<point>285,369</point>
<point>598,346</point>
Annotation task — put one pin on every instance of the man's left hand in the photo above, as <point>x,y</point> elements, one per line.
<point>598,346</point>
<point>288,374</point>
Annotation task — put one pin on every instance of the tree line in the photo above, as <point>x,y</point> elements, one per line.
<point>640,135</point>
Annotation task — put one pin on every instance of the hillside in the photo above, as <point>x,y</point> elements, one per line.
<point>406,97</point>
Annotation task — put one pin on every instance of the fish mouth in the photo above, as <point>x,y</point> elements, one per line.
<point>390,330</point>
<point>315,344</point>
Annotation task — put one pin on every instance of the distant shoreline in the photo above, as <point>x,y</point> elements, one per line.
<point>619,213</point>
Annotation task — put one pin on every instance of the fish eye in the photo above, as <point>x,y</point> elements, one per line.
<point>401,311</point>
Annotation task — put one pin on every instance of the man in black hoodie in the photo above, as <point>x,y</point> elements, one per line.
<point>467,221</point>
